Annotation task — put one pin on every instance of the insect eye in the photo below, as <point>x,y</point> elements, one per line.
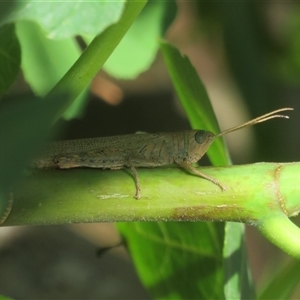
<point>200,136</point>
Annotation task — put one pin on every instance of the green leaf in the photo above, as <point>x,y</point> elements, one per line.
<point>194,99</point>
<point>95,55</point>
<point>141,48</point>
<point>190,90</point>
<point>10,57</point>
<point>45,61</point>
<point>24,127</point>
<point>196,103</point>
<point>6,7</point>
<point>174,265</point>
<point>63,19</point>
<point>5,298</point>
<point>238,283</point>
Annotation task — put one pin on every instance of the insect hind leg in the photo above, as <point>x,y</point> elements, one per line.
<point>195,171</point>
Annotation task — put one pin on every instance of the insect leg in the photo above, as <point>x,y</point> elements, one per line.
<point>195,171</point>
<point>136,179</point>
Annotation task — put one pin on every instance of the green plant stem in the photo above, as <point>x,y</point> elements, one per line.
<point>282,232</point>
<point>263,194</point>
<point>168,194</point>
<point>92,59</point>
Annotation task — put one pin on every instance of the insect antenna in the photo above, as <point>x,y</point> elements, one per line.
<point>263,118</point>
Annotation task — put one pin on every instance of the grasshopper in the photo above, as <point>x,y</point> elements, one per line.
<point>183,148</point>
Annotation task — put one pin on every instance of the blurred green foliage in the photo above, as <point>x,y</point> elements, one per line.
<point>51,57</point>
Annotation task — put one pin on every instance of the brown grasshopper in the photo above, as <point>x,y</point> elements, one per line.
<point>140,150</point>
